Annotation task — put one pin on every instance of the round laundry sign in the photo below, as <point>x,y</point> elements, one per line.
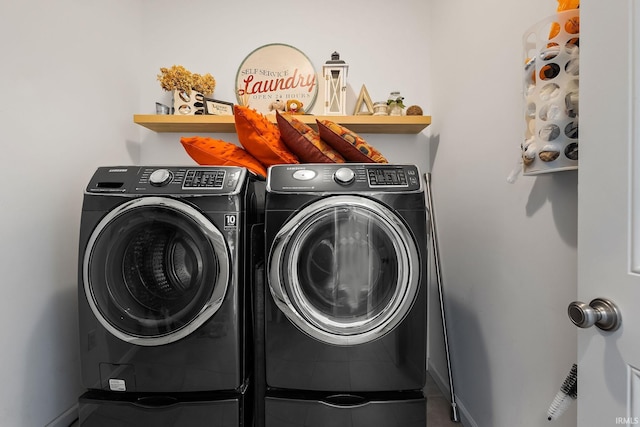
<point>275,75</point>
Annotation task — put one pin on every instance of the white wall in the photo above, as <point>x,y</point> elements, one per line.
<point>508,250</point>
<point>68,78</point>
<point>75,73</point>
<point>385,48</point>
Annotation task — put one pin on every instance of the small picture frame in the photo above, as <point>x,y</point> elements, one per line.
<point>216,107</point>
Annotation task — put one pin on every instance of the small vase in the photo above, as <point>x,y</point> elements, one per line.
<point>395,103</point>
<point>395,109</point>
<point>187,104</point>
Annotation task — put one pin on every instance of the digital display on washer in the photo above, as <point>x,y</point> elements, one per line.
<point>394,177</point>
<point>204,179</point>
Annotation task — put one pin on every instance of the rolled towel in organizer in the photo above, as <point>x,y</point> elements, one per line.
<point>567,394</point>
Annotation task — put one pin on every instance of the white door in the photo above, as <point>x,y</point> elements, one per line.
<point>609,210</point>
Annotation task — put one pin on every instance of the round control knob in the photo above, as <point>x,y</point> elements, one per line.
<point>600,312</point>
<point>160,177</point>
<point>344,176</point>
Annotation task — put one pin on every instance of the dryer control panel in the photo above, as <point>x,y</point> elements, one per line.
<point>343,177</point>
<point>167,180</point>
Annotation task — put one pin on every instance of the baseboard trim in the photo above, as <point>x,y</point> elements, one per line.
<point>66,418</point>
<point>442,381</point>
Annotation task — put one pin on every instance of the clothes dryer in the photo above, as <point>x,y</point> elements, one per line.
<point>345,309</point>
<point>165,277</point>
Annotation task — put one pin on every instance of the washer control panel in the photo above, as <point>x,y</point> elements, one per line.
<point>343,177</point>
<point>167,180</point>
<point>389,177</point>
<point>205,179</point>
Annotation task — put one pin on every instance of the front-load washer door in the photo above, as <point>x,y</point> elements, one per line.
<point>345,270</point>
<point>154,270</point>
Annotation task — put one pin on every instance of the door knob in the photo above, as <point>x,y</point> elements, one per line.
<point>600,312</point>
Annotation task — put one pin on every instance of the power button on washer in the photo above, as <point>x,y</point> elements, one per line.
<point>304,174</point>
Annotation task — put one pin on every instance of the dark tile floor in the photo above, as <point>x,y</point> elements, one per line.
<point>438,407</point>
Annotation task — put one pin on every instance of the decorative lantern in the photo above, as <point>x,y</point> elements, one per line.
<point>335,89</point>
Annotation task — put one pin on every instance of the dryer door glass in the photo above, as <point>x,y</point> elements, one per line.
<point>345,270</point>
<point>153,268</point>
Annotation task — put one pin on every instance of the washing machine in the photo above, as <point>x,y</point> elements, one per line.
<point>165,281</point>
<point>345,308</point>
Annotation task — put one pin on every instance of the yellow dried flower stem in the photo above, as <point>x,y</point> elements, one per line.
<point>179,78</point>
<point>204,84</point>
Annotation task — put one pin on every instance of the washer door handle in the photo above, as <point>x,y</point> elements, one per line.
<point>599,312</point>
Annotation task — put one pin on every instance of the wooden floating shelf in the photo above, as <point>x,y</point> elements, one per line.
<point>226,124</point>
